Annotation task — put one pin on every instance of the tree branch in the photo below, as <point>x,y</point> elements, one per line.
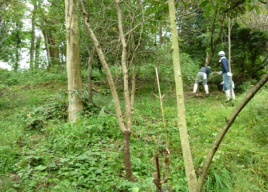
<point>223,131</point>
<point>235,5</point>
<point>262,2</point>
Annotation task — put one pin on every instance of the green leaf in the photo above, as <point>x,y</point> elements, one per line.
<point>204,3</point>
<point>219,2</point>
<point>135,189</point>
<point>40,168</point>
<point>257,10</point>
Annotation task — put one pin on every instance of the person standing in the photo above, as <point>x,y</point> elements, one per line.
<point>202,75</point>
<point>226,75</point>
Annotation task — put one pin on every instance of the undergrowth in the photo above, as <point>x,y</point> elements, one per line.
<point>41,151</point>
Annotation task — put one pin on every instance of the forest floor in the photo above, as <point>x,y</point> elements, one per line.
<point>41,151</point>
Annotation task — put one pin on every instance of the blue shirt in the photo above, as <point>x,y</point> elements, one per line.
<point>224,65</point>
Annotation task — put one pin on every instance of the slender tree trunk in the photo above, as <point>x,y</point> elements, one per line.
<point>126,93</point>
<point>243,69</point>
<point>73,59</point>
<point>186,150</point>
<point>16,66</point>
<point>47,48</point>
<point>125,130</point>
<point>215,42</point>
<point>133,88</point>
<point>33,38</point>
<point>90,60</point>
<point>253,59</point>
<point>37,51</point>
<point>158,58</point>
<point>223,131</point>
<point>63,55</point>
<point>229,44</point>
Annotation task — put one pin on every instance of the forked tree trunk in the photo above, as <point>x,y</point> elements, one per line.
<point>73,59</point>
<point>186,150</point>
<point>214,43</point>
<point>125,130</point>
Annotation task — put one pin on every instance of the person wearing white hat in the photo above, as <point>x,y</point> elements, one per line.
<point>202,75</point>
<point>226,75</point>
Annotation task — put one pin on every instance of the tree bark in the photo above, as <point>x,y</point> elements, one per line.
<point>73,59</point>
<point>190,172</point>
<point>223,131</point>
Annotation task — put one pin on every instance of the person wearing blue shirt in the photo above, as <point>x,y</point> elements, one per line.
<point>202,75</point>
<point>226,75</point>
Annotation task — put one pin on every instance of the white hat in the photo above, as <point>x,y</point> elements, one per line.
<point>221,54</point>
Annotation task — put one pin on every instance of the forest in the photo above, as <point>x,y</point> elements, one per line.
<point>106,95</point>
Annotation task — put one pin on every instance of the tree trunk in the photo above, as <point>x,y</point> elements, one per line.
<point>126,93</point>
<point>47,48</point>
<point>213,42</point>
<point>190,172</point>
<point>252,65</point>
<point>243,69</point>
<point>133,90</point>
<point>73,60</point>
<point>126,132</point>
<point>16,65</point>
<point>158,57</point>
<point>33,37</point>
<point>229,44</point>
<point>37,51</point>
<point>223,131</point>
<point>90,60</point>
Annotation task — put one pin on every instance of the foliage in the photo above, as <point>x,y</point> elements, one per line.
<point>249,51</point>
<point>88,154</point>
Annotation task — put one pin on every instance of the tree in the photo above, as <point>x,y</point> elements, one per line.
<point>187,156</point>
<point>125,127</point>
<point>33,35</point>
<point>51,23</point>
<point>73,60</point>
<point>194,184</point>
<point>12,34</point>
